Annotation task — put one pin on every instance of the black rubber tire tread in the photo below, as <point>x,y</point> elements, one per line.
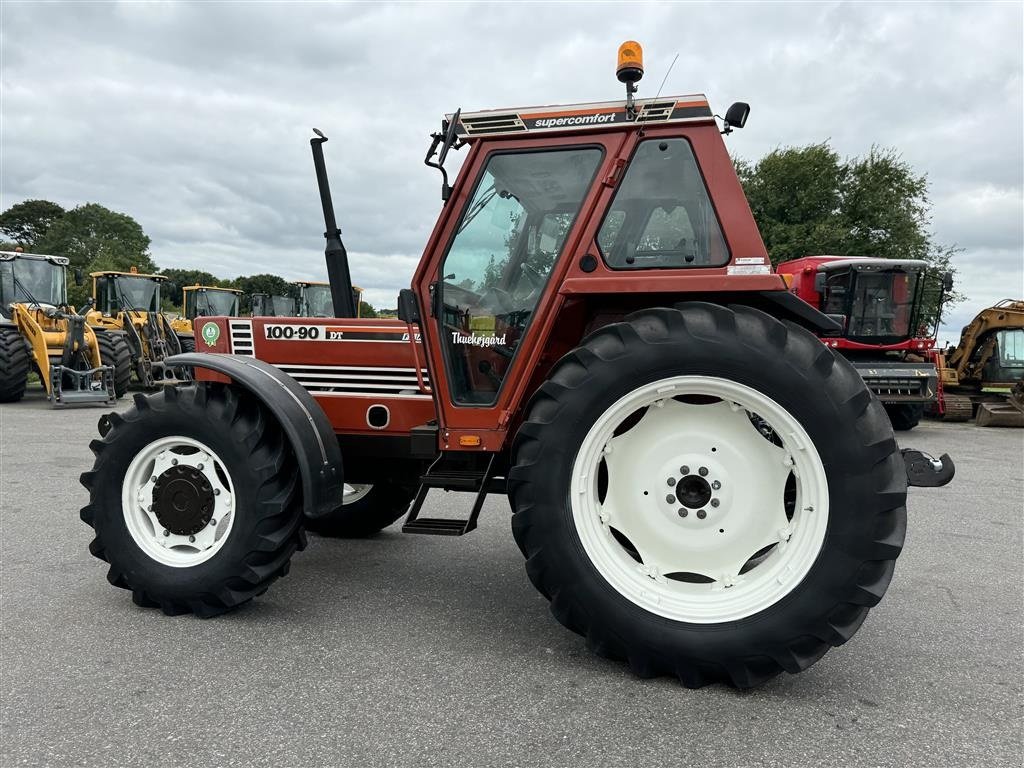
<point>849,428</point>
<point>904,416</point>
<point>14,365</point>
<point>188,344</point>
<point>114,351</point>
<point>378,509</point>
<point>267,530</point>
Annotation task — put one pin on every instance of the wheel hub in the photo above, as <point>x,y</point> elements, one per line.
<point>693,491</point>
<point>183,500</point>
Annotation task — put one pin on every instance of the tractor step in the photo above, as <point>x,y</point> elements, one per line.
<point>481,483</point>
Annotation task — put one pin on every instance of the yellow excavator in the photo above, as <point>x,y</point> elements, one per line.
<point>41,332</point>
<point>983,375</point>
<point>203,301</point>
<point>130,302</point>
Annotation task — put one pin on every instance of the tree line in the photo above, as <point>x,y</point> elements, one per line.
<point>806,201</point>
<point>97,239</point>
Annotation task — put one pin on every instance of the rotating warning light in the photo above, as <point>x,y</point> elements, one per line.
<point>631,62</point>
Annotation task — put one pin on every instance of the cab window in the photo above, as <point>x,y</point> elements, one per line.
<point>506,245</point>
<point>661,216</point>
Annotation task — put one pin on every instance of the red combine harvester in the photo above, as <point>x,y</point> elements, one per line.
<point>877,303</point>
<point>699,485</point>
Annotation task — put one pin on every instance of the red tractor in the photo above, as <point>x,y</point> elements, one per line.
<point>878,305</point>
<point>699,486</point>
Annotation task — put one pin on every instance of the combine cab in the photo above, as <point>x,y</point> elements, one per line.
<point>877,303</point>
<point>129,303</point>
<point>203,301</point>
<point>39,331</point>
<point>701,487</point>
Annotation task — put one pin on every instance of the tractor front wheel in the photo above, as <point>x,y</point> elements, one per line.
<point>114,351</point>
<point>708,493</point>
<point>14,365</point>
<point>904,416</point>
<point>194,499</point>
<point>365,510</point>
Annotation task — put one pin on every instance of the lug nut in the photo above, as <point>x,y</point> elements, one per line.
<point>153,478</point>
<point>716,485</point>
<point>715,502</point>
<point>199,467</point>
<point>213,522</point>
<point>683,512</point>
<point>174,462</point>
<point>192,538</point>
<point>701,514</point>
<point>671,481</point>
<point>703,471</point>
<point>670,498</point>
<point>216,491</point>
<point>684,470</point>
<point>166,532</point>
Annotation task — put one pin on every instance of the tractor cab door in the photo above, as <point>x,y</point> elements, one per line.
<point>190,304</point>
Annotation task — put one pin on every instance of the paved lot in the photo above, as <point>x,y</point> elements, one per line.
<point>418,650</point>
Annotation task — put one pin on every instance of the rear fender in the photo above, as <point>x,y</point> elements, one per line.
<point>303,421</point>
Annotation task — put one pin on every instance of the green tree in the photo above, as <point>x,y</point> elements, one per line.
<point>367,310</point>
<point>272,285</point>
<point>28,221</point>
<point>95,238</point>
<point>179,278</point>
<point>808,201</point>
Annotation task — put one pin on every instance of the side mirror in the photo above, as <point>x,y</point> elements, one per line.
<point>79,276</point>
<point>947,281</point>
<point>819,282</point>
<point>737,115</point>
<point>408,306</point>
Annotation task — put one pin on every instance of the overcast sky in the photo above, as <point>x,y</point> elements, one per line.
<point>194,117</point>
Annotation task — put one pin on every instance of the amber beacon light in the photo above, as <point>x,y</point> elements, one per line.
<point>631,62</point>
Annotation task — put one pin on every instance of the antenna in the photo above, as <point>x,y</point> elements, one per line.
<point>666,76</point>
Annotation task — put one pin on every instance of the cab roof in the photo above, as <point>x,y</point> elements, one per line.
<point>158,278</point>
<point>592,116</point>
<point>198,287</point>
<point>60,261</point>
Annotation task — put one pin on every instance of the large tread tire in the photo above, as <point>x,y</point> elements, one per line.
<point>369,515</point>
<point>904,416</point>
<point>267,530</point>
<point>14,365</point>
<point>188,344</point>
<point>114,351</point>
<point>848,426</point>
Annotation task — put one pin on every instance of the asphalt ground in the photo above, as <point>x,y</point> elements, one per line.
<point>436,651</point>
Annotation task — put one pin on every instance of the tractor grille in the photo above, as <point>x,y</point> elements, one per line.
<point>241,337</point>
<point>341,379</point>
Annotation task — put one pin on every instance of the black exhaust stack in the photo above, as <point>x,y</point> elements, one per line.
<point>334,253</point>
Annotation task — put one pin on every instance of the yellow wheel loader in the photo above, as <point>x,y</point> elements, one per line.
<point>315,299</point>
<point>266,305</point>
<point>129,302</point>
<point>40,332</point>
<point>203,301</point>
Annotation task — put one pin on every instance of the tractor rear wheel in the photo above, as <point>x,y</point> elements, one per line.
<point>366,510</point>
<point>194,499</point>
<point>14,365</point>
<point>114,352</point>
<point>904,416</point>
<point>709,493</point>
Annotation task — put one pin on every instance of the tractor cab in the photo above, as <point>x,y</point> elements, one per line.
<point>877,301</point>
<point>28,278</point>
<point>267,305</point>
<point>316,300</point>
<point>206,301</point>
<point>129,291</point>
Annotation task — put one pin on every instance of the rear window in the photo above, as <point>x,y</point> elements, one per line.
<point>661,216</point>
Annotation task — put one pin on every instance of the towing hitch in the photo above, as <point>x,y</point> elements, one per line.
<point>925,471</point>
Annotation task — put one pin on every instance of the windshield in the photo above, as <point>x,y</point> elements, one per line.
<point>282,306</point>
<point>207,302</point>
<point>22,280</point>
<point>317,301</point>
<point>1011,348</point>
<point>883,304</point>
<point>117,292</point>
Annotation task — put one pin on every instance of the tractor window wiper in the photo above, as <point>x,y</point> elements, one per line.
<point>478,206</point>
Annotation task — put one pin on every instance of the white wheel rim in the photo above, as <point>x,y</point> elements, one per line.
<point>713,552</point>
<point>354,492</point>
<point>179,550</point>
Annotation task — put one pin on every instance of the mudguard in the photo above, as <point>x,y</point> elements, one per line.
<point>304,423</point>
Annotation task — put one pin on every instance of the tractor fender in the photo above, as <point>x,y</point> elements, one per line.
<point>303,421</point>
